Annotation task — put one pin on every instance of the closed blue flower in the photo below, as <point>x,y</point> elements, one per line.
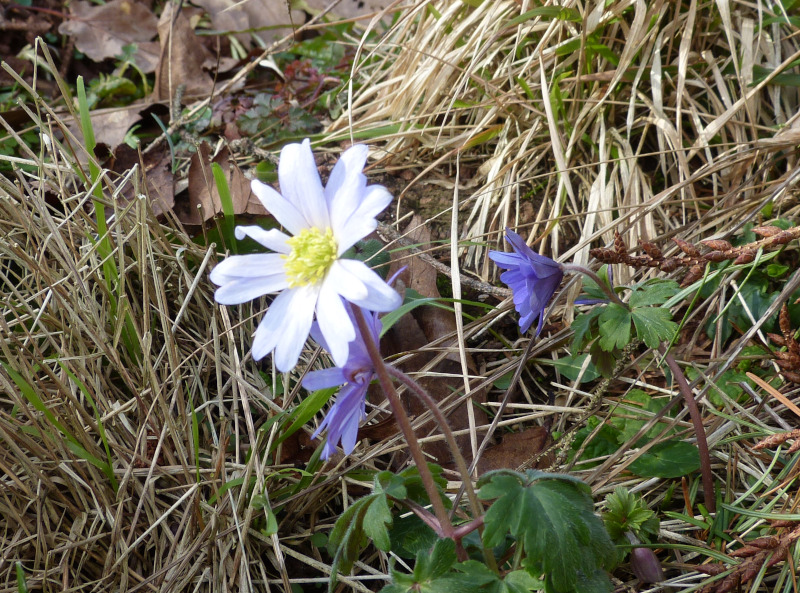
<point>532,278</point>
<point>355,375</point>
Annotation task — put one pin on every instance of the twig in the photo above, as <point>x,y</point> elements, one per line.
<point>699,429</point>
<point>389,233</point>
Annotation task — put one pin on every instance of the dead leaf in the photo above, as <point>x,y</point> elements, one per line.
<point>156,171</point>
<point>109,125</point>
<point>233,15</point>
<point>101,32</point>
<point>348,9</point>
<point>515,450</point>
<point>204,202</point>
<point>181,58</point>
<point>415,331</point>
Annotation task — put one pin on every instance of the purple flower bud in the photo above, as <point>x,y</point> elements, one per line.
<point>533,279</point>
<point>646,566</point>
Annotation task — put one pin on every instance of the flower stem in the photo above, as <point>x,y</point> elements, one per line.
<point>432,405</point>
<point>699,429</point>
<point>683,386</point>
<point>461,464</point>
<point>578,269</point>
<point>404,423</point>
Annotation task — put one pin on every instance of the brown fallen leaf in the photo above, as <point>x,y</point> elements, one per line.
<point>109,125</point>
<point>516,449</point>
<point>348,9</point>
<point>101,32</point>
<point>234,15</point>
<point>181,58</point>
<point>204,202</point>
<point>156,171</point>
<point>415,331</point>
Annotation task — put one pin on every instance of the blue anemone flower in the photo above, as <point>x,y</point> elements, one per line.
<point>533,279</point>
<point>349,408</point>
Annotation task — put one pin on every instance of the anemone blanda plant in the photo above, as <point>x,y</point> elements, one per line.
<point>532,278</point>
<point>307,269</point>
<point>349,408</point>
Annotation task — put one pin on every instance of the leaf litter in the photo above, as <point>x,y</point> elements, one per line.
<point>621,162</point>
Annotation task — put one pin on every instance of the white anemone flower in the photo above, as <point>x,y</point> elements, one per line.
<point>307,268</point>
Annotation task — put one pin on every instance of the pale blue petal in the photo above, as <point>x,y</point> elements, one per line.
<point>362,222</point>
<point>271,239</point>
<point>346,185</point>
<point>334,323</point>
<point>361,286</point>
<point>283,211</point>
<point>301,186</point>
<point>343,419</point>
<point>295,328</point>
<point>247,289</point>
<point>270,330</point>
<point>237,267</point>
<point>506,260</point>
<point>322,379</point>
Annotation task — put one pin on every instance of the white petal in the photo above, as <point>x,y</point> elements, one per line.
<point>362,222</point>
<point>246,266</point>
<point>334,323</point>
<point>283,211</point>
<point>373,201</point>
<point>361,286</point>
<point>296,327</point>
<point>300,184</point>
<point>247,289</point>
<point>346,184</point>
<point>271,239</point>
<point>270,330</point>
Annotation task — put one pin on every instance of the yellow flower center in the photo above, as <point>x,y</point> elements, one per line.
<point>312,254</point>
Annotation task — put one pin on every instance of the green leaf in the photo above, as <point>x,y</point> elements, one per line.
<point>553,518</point>
<point>653,292</point>
<point>654,325</point>
<point>629,421</point>
<point>603,361</point>
<point>583,325</point>
<point>392,484</point>
<point>670,459</point>
<point>22,584</point>
<point>305,411</point>
<point>547,13</point>
<point>776,270</point>
<point>615,327</point>
<point>376,520</point>
<point>436,562</point>
<point>433,572</point>
<point>410,535</point>
<point>628,512</point>
<point>349,534</point>
<point>605,442</point>
<point>594,582</point>
<point>521,581</point>
<point>570,367</point>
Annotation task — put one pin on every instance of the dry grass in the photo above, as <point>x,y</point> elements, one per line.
<point>147,462</point>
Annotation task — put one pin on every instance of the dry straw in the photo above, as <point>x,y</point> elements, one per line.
<point>133,467</point>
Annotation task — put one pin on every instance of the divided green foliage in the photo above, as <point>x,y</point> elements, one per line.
<point>370,517</point>
<point>609,327</point>
<point>436,571</point>
<point>667,459</point>
<point>627,512</point>
<point>552,517</point>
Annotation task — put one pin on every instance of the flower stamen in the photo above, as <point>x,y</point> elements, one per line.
<point>311,257</point>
